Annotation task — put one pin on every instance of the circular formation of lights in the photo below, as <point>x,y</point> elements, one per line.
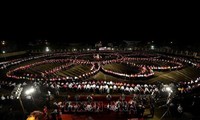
<point>54,65</point>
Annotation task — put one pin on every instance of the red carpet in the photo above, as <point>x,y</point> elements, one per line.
<point>66,117</point>
<point>95,117</point>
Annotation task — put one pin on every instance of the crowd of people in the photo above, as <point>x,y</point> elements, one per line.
<point>144,95</point>
<point>101,87</point>
<point>132,106</point>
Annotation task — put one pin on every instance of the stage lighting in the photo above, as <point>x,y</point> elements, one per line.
<point>169,89</point>
<point>30,91</point>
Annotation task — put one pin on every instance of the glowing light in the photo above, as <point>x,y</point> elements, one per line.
<point>47,49</point>
<point>152,47</point>
<point>3,51</point>
<point>169,89</point>
<point>30,91</point>
<point>3,42</point>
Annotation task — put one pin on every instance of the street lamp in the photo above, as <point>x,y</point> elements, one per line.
<point>29,94</point>
<point>169,99</point>
<point>17,92</point>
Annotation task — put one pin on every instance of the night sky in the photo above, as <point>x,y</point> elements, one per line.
<point>161,27</point>
<point>106,32</point>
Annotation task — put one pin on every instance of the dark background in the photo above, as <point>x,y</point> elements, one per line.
<point>90,25</point>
